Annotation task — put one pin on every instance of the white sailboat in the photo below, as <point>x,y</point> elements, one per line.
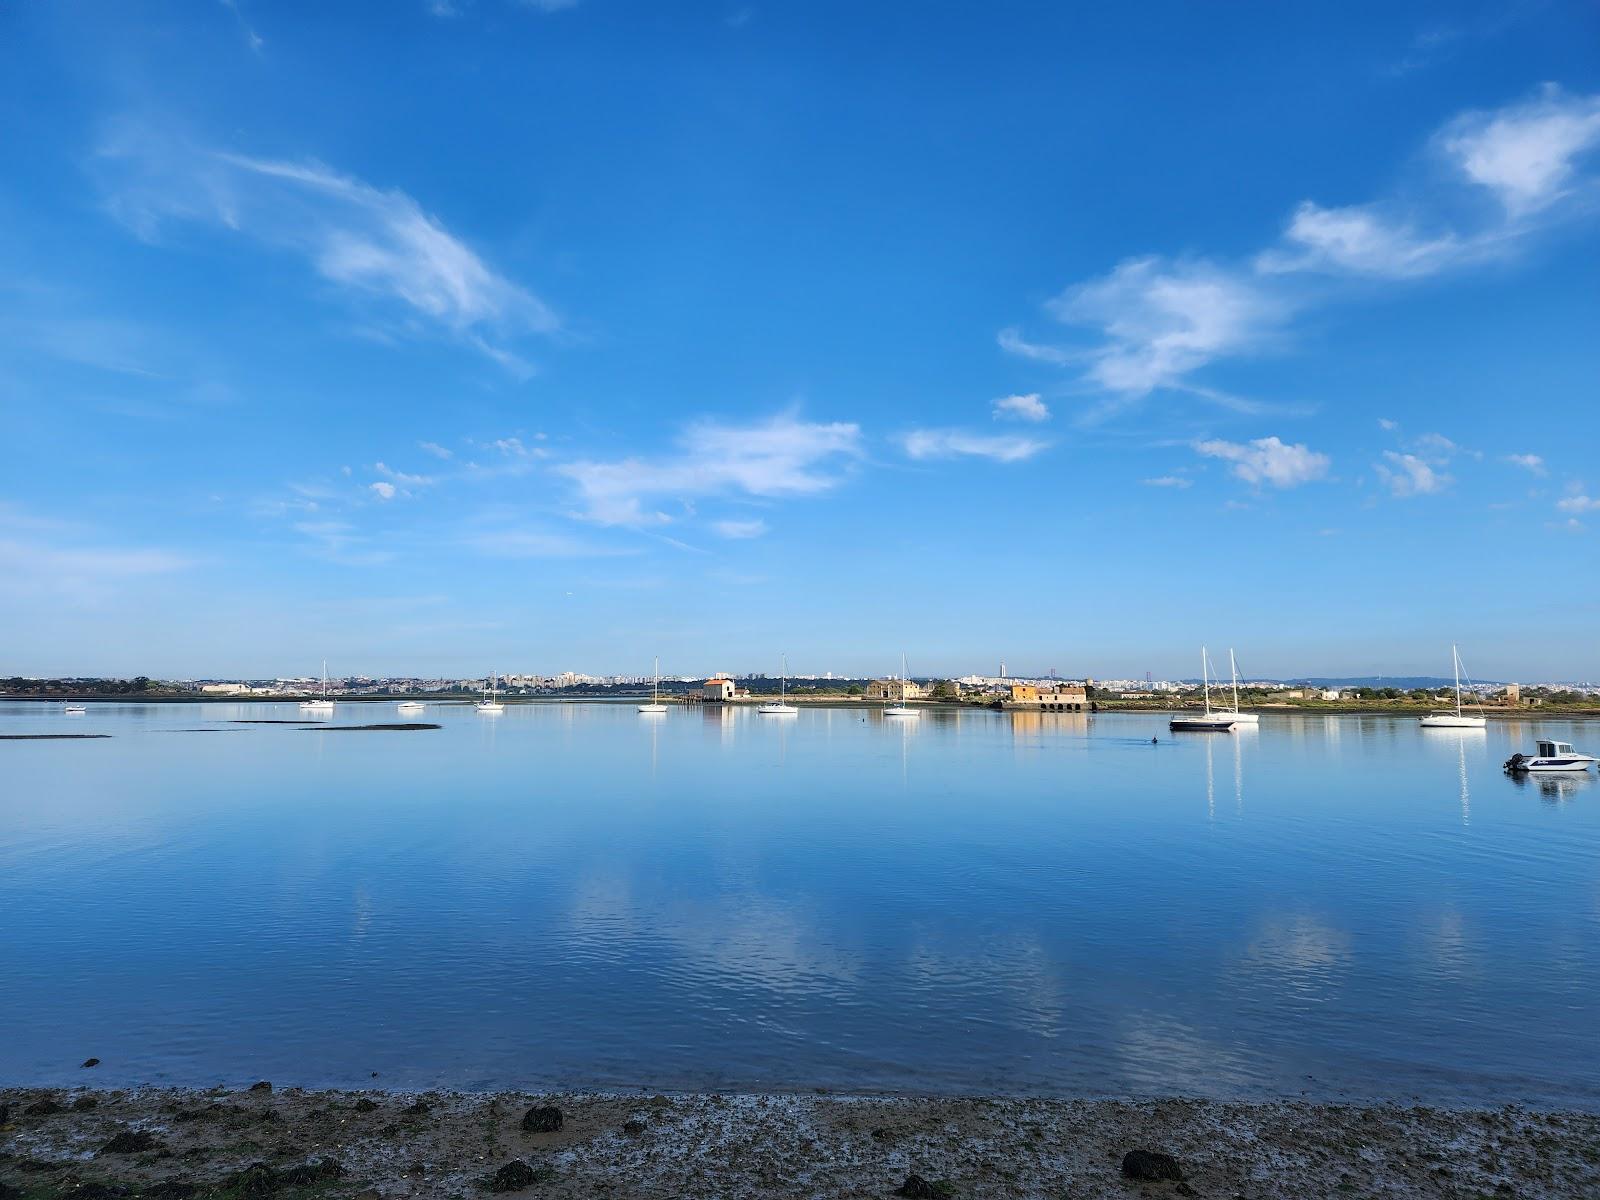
<point>902,709</point>
<point>1457,719</point>
<point>491,700</point>
<point>1207,722</point>
<point>655,705</point>
<point>782,708</point>
<point>1239,718</point>
<point>323,705</point>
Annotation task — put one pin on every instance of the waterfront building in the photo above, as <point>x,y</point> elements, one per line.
<point>1060,697</point>
<point>889,689</point>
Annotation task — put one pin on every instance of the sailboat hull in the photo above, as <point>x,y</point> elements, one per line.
<point>778,710</point>
<point>1206,724</point>
<point>1451,721</point>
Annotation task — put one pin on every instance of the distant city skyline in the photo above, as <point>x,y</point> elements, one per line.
<point>418,336</point>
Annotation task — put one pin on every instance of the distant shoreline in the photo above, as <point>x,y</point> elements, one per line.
<point>191,1142</point>
<point>1314,708</point>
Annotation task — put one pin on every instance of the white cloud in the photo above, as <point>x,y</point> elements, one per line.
<point>384,491</point>
<point>1168,481</point>
<point>955,443</point>
<point>1269,460</point>
<point>782,456</point>
<point>1526,153</point>
<point>1359,240</point>
<point>740,529</point>
<point>1579,503</point>
<point>1528,462</point>
<point>435,449</point>
<point>1160,321</point>
<point>1387,425</point>
<point>534,543</point>
<point>1407,475</point>
<point>401,477</point>
<point>1021,408</point>
<point>373,243</point>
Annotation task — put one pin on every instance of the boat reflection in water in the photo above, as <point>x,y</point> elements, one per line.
<point>1553,789</point>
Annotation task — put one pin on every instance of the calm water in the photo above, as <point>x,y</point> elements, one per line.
<point>978,902</point>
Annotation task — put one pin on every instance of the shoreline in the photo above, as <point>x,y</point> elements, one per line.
<point>220,1142</point>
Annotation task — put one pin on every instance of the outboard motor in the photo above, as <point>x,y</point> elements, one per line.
<point>1516,761</point>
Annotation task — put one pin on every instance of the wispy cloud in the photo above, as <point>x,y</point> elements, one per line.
<point>1021,408</point>
<point>535,543</point>
<point>1157,322</point>
<point>436,450</point>
<point>1269,460</point>
<point>957,443</point>
<point>1168,481</point>
<point>779,457</point>
<point>1528,462</point>
<point>740,529</point>
<point>1578,501</point>
<point>375,245</point>
<point>382,490</point>
<point>1407,475</point>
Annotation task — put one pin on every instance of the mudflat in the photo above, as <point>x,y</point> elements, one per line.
<point>288,1142</point>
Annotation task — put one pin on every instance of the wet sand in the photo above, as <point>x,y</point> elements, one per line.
<point>292,1143</point>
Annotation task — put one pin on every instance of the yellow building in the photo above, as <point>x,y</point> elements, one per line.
<point>889,689</point>
<point>1060,697</point>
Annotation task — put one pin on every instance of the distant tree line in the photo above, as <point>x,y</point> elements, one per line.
<point>18,686</point>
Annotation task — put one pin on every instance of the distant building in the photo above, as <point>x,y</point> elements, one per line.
<point>889,689</point>
<point>1332,694</point>
<point>1060,697</point>
<point>1513,694</point>
<point>226,689</point>
<point>717,691</point>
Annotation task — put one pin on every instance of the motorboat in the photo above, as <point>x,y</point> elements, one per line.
<point>782,708</point>
<point>73,710</point>
<point>655,705</point>
<point>490,704</point>
<point>902,709</point>
<point>1550,756</point>
<point>1456,719</point>
<point>1206,721</point>
<point>410,706</point>
<point>323,703</point>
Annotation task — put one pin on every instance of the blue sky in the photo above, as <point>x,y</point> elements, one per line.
<point>436,337</point>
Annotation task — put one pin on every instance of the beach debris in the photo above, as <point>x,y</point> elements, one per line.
<point>131,1141</point>
<point>512,1177</point>
<point>91,1062</point>
<point>255,1182</point>
<point>1151,1164</point>
<point>43,1108</point>
<point>917,1188</point>
<point>542,1118</point>
<point>366,1104</point>
<point>309,1173</point>
<point>85,1103</point>
<point>418,1108</point>
<point>263,1086</point>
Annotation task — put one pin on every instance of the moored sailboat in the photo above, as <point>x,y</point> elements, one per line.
<point>902,709</point>
<point>1456,719</point>
<point>782,708</point>
<point>491,699</point>
<point>1207,721</point>
<point>655,705</point>
<point>324,704</point>
<point>1239,718</point>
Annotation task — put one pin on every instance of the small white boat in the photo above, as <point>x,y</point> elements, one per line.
<point>1239,718</point>
<point>411,706</point>
<point>73,710</point>
<point>1551,756</point>
<point>1206,721</point>
<point>902,709</point>
<point>782,708</point>
<point>1457,719</point>
<point>655,705</point>
<point>324,704</point>
<point>490,704</point>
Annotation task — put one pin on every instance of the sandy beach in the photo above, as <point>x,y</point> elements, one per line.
<point>287,1142</point>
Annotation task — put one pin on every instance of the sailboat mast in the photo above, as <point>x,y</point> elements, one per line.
<point>1233,670</point>
<point>1455,661</point>
<point>1205,679</point>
